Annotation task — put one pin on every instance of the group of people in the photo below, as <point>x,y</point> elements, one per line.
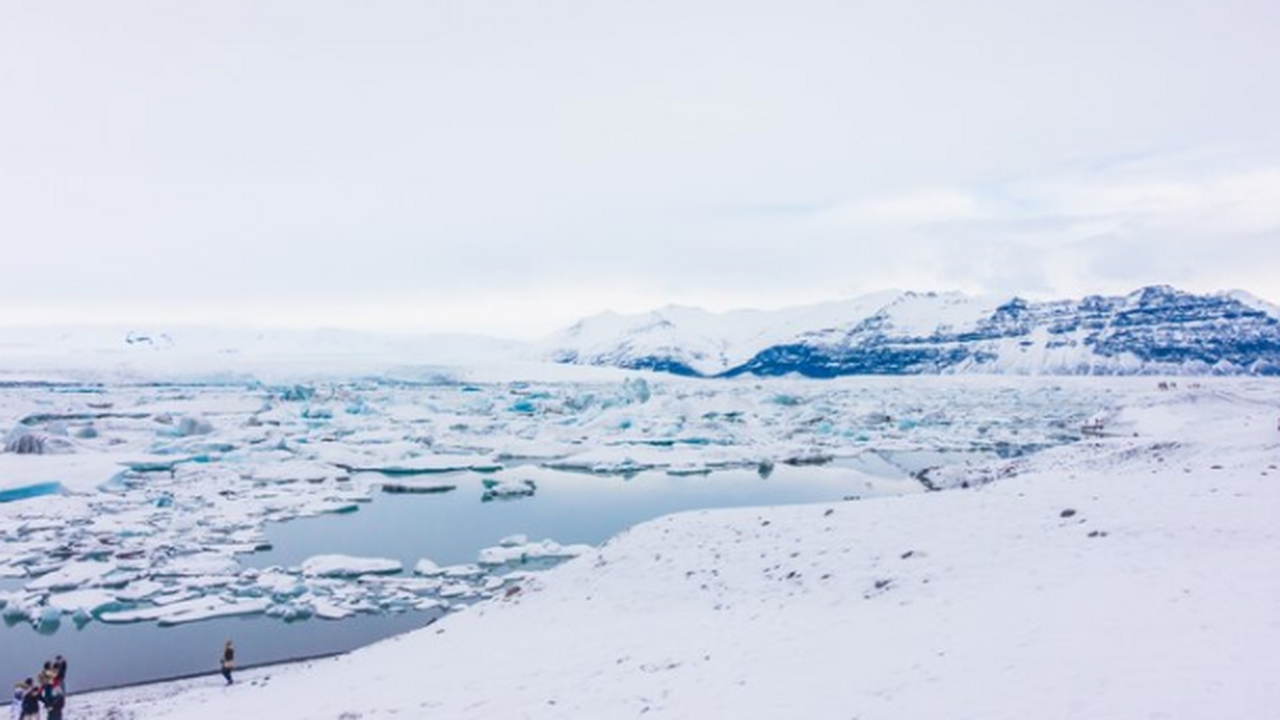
<point>48,690</point>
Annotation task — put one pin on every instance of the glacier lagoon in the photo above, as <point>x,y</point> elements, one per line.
<point>449,527</point>
<point>215,495</point>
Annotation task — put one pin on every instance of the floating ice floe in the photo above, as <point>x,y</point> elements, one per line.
<point>140,590</point>
<point>87,601</point>
<point>189,426</point>
<point>289,472</point>
<point>418,486</point>
<point>26,492</point>
<point>428,568</point>
<point>171,501</point>
<point>427,465</point>
<point>71,576</point>
<point>531,450</point>
<point>544,553</point>
<point>349,566</point>
<point>605,461</point>
<point>697,454</point>
<point>417,586</point>
<point>329,506</point>
<point>458,591</point>
<point>326,609</point>
<point>462,571</point>
<point>187,611</point>
<point>197,564</point>
<point>507,489</point>
<point>687,469</point>
<point>22,441</point>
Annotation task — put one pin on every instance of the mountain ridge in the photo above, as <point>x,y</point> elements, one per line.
<point>1157,329</point>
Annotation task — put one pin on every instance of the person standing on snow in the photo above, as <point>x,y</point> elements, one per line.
<point>54,702</point>
<point>15,707</point>
<point>228,661</point>
<point>31,701</point>
<point>60,670</point>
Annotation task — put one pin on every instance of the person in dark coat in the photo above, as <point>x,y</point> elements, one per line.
<point>54,701</point>
<point>31,701</point>
<point>60,667</point>
<point>228,661</point>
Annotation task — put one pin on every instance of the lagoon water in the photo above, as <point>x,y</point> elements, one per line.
<point>448,528</point>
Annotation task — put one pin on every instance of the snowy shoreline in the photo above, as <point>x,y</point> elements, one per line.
<point>1119,577</point>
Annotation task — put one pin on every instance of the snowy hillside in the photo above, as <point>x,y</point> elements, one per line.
<point>692,341</point>
<point>1131,575</point>
<point>1156,330</point>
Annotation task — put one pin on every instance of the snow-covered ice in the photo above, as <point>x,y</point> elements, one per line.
<point>173,483</point>
<point>1128,575</point>
<point>508,489</point>
<point>519,554</point>
<point>348,566</point>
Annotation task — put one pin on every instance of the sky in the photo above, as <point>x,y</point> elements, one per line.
<point>506,167</point>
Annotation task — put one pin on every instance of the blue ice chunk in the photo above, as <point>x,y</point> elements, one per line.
<point>30,491</point>
<point>524,407</point>
<point>297,393</point>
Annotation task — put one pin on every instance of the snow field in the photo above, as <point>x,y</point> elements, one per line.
<point>1129,576</point>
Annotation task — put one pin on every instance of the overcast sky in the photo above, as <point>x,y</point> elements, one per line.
<point>507,166</point>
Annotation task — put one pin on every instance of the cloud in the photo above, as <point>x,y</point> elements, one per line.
<point>456,164</point>
<point>926,206</point>
<point>1230,203</point>
<point>1108,229</point>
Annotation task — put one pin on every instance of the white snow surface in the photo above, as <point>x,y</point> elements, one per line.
<point>1127,576</point>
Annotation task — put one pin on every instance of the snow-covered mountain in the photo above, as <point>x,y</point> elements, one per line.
<point>1152,330</point>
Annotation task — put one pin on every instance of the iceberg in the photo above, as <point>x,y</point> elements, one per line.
<point>428,568</point>
<point>47,620</point>
<point>24,442</point>
<point>197,564</point>
<point>71,576</point>
<point>187,611</point>
<point>507,489</point>
<point>326,609</point>
<point>141,590</point>
<point>428,464</point>
<point>26,492</point>
<point>418,487</point>
<point>87,601</point>
<point>282,473</point>
<point>349,566</point>
<point>544,553</point>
